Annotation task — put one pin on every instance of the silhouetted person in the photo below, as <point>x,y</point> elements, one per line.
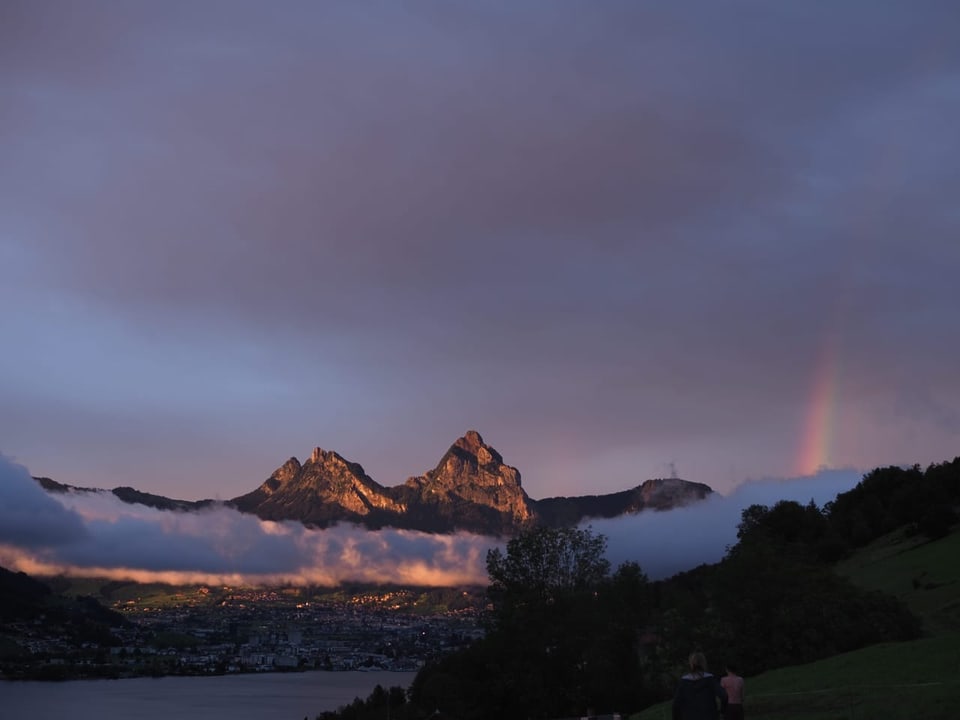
<point>699,693</point>
<point>733,685</point>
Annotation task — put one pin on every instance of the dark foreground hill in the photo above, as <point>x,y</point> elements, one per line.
<point>30,610</point>
<point>26,599</point>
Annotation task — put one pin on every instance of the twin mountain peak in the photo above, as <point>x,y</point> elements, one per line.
<point>470,489</point>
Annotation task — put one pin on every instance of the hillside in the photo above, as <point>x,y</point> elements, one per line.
<point>894,681</point>
<point>29,611</point>
<point>924,575</point>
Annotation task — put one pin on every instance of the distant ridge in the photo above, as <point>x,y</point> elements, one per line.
<point>129,495</point>
<point>470,489</point>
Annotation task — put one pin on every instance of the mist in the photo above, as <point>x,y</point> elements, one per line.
<point>95,534</point>
<point>665,543</point>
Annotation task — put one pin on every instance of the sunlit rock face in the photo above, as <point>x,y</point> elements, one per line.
<point>324,490</point>
<point>470,489</point>
<point>281,476</point>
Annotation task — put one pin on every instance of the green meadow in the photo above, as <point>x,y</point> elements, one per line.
<point>926,576</point>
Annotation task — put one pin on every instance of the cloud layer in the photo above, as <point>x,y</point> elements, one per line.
<point>95,534</point>
<point>83,533</point>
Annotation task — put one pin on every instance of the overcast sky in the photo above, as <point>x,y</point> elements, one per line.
<point>620,239</point>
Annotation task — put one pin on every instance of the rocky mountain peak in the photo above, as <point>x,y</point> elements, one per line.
<point>474,448</point>
<point>282,475</point>
<point>327,488</point>
<point>331,462</point>
<point>319,456</point>
<point>290,468</point>
<point>473,473</point>
<point>471,442</point>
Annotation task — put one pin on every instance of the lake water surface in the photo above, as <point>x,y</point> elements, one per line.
<point>266,696</point>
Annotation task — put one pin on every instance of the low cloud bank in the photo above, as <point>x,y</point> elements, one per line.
<point>82,533</point>
<point>29,516</point>
<point>665,543</point>
<point>97,534</point>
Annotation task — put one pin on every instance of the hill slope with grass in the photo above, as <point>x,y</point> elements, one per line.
<point>923,575</point>
<point>894,681</point>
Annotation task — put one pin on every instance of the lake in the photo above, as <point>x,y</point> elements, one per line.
<point>265,696</point>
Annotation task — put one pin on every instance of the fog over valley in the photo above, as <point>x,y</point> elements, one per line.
<point>81,533</point>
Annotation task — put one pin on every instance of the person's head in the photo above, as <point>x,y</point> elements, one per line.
<point>698,663</point>
<point>731,669</point>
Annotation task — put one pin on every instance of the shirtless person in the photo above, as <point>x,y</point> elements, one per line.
<point>733,684</point>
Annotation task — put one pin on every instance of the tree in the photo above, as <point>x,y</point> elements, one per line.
<point>544,563</point>
<point>543,593</point>
<point>801,531</point>
<point>565,631</point>
<point>562,634</point>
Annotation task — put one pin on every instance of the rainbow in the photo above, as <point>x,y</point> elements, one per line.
<point>818,432</point>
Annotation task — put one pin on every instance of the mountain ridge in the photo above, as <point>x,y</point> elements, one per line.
<point>470,489</point>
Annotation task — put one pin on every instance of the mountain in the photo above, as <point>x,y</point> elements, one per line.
<point>659,494</point>
<point>326,489</point>
<point>470,489</point>
<point>128,495</point>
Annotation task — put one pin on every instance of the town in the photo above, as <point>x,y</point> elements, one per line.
<point>204,630</point>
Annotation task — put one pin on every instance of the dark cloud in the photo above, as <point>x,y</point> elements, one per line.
<point>610,234</point>
<point>29,516</point>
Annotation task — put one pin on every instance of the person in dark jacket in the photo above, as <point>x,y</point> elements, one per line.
<point>699,693</point>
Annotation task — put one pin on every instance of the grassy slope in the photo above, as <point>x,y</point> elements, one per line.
<point>893,681</point>
<point>925,576</point>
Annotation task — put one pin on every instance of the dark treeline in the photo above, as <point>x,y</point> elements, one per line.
<point>568,636</point>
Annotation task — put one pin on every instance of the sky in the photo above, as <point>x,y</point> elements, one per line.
<point>621,240</point>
